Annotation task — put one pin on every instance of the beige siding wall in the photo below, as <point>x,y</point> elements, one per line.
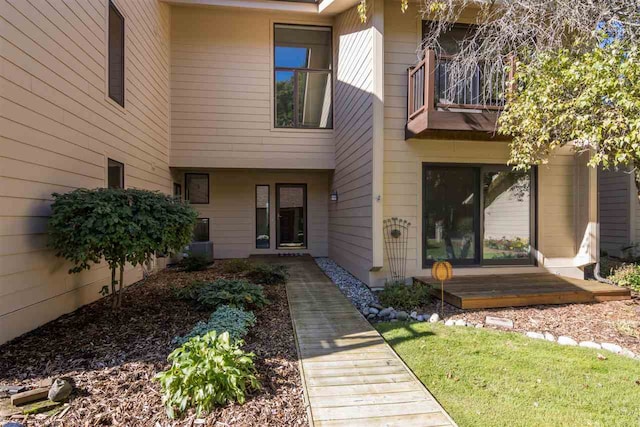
<point>231,209</point>
<point>222,94</point>
<point>57,128</point>
<point>350,224</point>
<point>403,160</point>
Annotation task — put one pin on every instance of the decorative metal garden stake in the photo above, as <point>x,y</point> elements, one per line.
<point>396,233</point>
<point>442,271</point>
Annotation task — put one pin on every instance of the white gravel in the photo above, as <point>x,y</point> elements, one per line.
<point>358,293</point>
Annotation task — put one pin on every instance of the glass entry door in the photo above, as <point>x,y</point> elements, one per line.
<point>291,207</point>
<point>477,215</point>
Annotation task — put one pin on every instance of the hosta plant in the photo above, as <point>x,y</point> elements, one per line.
<point>235,321</point>
<point>207,371</point>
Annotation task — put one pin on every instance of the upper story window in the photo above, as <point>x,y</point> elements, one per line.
<point>116,55</point>
<point>303,75</point>
<point>115,174</point>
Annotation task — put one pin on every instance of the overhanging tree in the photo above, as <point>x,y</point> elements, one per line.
<point>119,226</point>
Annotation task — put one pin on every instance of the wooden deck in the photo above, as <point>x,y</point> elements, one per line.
<point>351,377</point>
<point>511,290</point>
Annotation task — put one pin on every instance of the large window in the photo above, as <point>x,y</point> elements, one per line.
<point>116,55</point>
<point>302,76</point>
<point>477,215</point>
<point>197,186</point>
<point>115,174</point>
<point>262,217</point>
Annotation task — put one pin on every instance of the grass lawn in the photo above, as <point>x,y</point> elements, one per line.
<point>489,378</point>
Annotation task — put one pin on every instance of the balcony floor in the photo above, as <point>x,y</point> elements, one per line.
<point>512,290</point>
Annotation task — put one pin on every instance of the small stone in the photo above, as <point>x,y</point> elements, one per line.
<point>590,344</point>
<point>371,316</point>
<point>499,322</point>
<point>461,322</point>
<point>470,325</point>
<point>449,322</point>
<point>549,337</point>
<point>479,325</point>
<point>393,314</point>
<point>373,310</point>
<point>627,353</point>
<point>376,305</point>
<point>385,312</point>
<point>402,315</point>
<point>414,315</point>
<point>566,341</point>
<point>12,424</point>
<point>535,335</point>
<point>613,348</point>
<point>60,390</point>
<point>435,317</point>
<point>420,318</point>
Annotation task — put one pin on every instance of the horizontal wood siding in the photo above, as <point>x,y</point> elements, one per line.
<point>231,209</point>
<point>57,128</point>
<point>403,159</point>
<point>350,226</point>
<point>222,96</point>
<point>615,210</point>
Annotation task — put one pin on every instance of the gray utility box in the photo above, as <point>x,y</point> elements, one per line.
<point>204,249</point>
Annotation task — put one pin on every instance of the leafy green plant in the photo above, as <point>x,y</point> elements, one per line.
<point>117,225</point>
<point>193,262</point>
<point>627,275</point>
<point>233,320</point>
<point>235,266</point>
<point>268,274</point>
<point>232,292</point>
<point>206,371</point>
<point>401,296</point>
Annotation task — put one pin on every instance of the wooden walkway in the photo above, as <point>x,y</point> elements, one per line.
<point>350,375</point>
<point>511,290</point>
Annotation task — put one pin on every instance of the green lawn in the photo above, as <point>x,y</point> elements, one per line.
<point>489,378</point>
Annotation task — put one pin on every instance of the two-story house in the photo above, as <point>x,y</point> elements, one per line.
<point>291,126</point>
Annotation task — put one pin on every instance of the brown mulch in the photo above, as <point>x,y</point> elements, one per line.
<point>112,357</point>
<point>613,321</point>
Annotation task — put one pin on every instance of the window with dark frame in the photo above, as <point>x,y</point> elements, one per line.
<point>116,55</point>
<point>177,190</point>
<point>197,188</point>
<point>201,230</point>
<point>262,217</point>
<point>115,174</point>
<point>303,75</point>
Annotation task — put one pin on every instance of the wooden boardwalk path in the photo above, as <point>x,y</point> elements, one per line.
<point>350,375</point>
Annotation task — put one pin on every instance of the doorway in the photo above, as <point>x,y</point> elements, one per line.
<point>291,216</point>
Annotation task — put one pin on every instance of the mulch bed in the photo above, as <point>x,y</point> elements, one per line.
<point>613,321</point>
<point>112,357</point>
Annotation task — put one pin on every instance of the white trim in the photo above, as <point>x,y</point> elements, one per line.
<point>377,34</point>
<point>280,6</point>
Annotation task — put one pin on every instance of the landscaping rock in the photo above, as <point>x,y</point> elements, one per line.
<point>371,316</point>
<point>414,315</point>
<point>562,340</point>
<point>590,344</point>
<point>60,390</point>
<point>460,322</point>
<point>376,305</point>
<point>435,317</point>
<point>479,325</point>
<point>627,353</point>
<point>402,315</point>
<point>613,348</point>
<point>420,318</point>
<point>549,337</point>
<point>385,312</point>
<point>535,335</point>
<point>393,314</point>
<point>499,322</point>
<point>373,310</point>
<point>357,292</point>
<point>12,424</point>
<point>449,322</point>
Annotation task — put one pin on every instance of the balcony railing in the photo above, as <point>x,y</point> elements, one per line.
<point>435,102</point>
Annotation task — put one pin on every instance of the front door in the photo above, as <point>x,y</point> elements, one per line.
<point>291,207</point>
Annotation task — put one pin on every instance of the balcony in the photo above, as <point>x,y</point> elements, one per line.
<point>439,106</point>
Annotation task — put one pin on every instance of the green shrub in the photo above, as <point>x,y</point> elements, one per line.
<point>627,275</point>
<point>233,320</point>
<point>206,371</point>
<point>233,292</point>
<point>193,263</point>
<point>268,274</point>
<point>236,266</point>
<point>401,296</point>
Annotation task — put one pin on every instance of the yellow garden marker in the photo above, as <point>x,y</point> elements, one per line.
<point>442,271</point>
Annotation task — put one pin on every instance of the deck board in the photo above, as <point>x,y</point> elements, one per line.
<point>513,290</point>
<point>351,377</point>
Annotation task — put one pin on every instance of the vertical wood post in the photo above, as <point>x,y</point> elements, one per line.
<point>429,77</point>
